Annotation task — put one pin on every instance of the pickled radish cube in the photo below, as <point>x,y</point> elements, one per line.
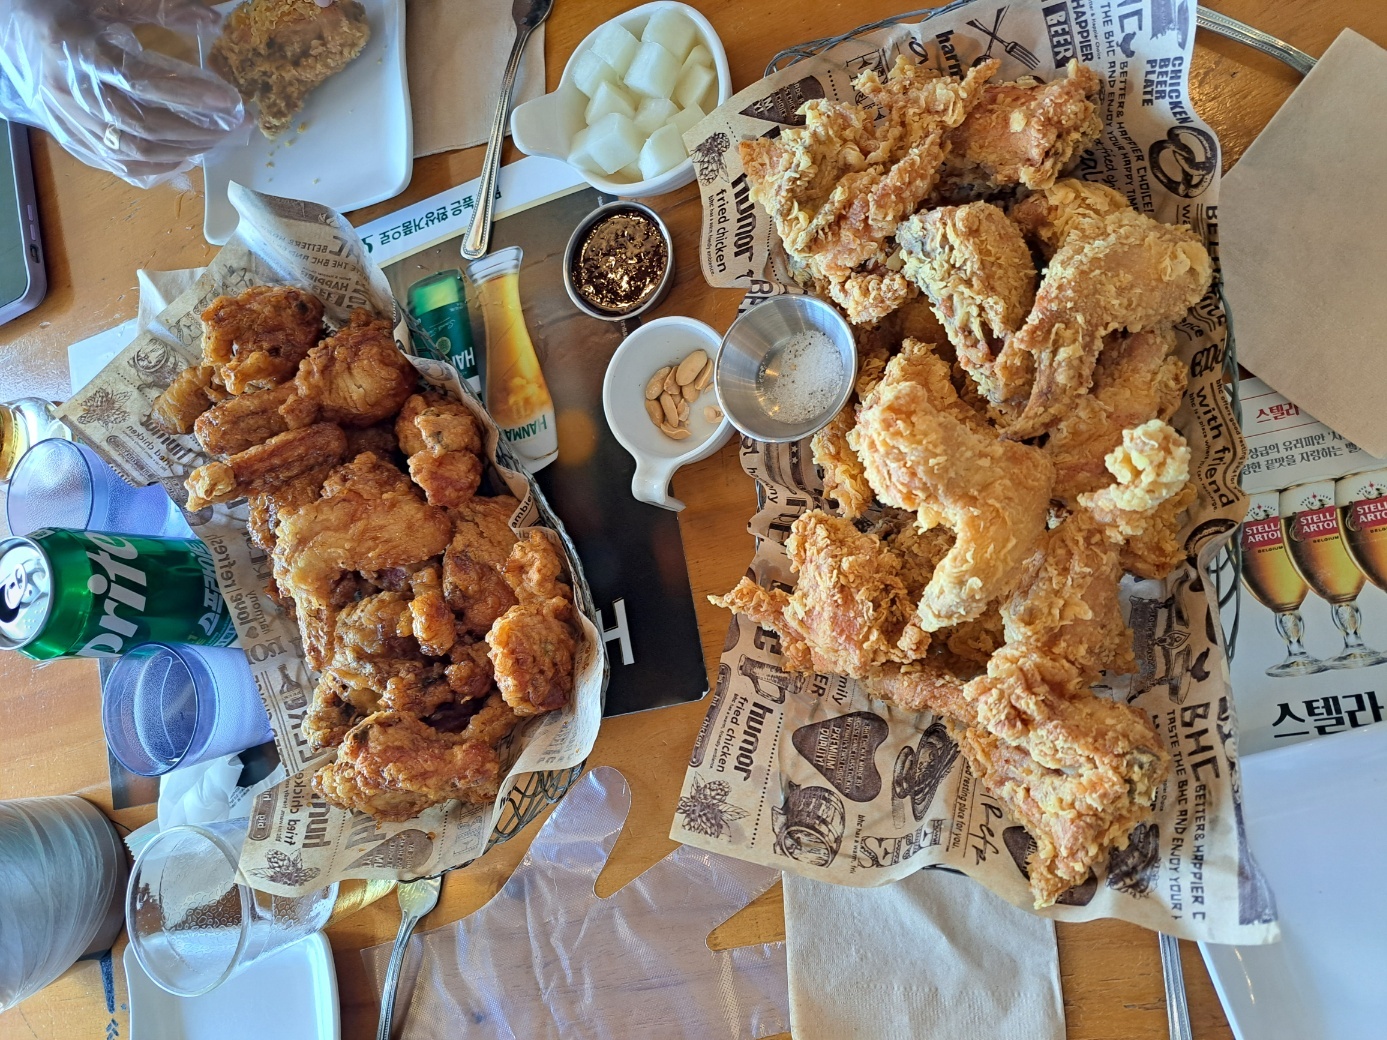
<point>700,55</point>
<point>578,154</point>
<point>672,30</point>
<point>684,119</point>
<point>630,173</point>
<point>653,113</point>
<point>608,98</point>
<point>613,142</point>
<point>653,71</point>
<point>614,45</point>
<point>589,70</point>
<point>664,151</point>
<point>693,84</point>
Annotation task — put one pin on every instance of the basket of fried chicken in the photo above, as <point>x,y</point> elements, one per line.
<point>1008,455</point>
<point>434,626</point>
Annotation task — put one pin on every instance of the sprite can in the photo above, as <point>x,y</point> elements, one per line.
<point>88,594</point>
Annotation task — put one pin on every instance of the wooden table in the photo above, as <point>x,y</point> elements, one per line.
<point>98,231</point>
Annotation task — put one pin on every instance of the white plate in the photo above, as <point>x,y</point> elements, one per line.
<point>1316,816</point>
<point>357,145</point>
<point>290,995</point>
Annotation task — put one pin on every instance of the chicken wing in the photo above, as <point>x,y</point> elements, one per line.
<point>278,462</point>
<point>190,394</point>
<point>974,266</point>
<point>844,481</point>
<point>257,339</point>
<point>1025,133</point>
<point>1129,272</point>
<point>1047,217</point>
<point>357,377</point>
<point>244,421</point>
<point>925,450</point>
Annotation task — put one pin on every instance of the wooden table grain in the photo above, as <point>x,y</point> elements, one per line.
<point>97,232</point>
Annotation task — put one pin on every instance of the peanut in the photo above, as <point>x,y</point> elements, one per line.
<point>671,384</point>
<point>712,413</point>
<point>656,413</point>
<point>704,377</point>
<point>690,367</point>
<point>683,407</point>
<point>689,391</point>
<point>657,383</point>
<point>671,410</point>
<point>677,433</point>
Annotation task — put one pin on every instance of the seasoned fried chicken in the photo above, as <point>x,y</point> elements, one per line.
<point>277,463</point>
<point>357,377</point>
<point>534,643</point>
<point>474,582</point>
<point>257,339</point>
<point>244,421</point>
<point>446,461</point>
<point>844,481</point>
<point>1047,217</point>
<point>190,394</point>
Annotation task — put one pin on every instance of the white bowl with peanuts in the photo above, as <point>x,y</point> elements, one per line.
<point>659,400</point>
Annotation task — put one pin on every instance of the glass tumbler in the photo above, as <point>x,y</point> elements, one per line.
<point>61,484</point>
<point>193,924</point>
<point>165,706</point>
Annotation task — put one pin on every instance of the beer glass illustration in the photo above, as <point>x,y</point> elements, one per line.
<point>1310,521</point>
<point>1362,502</point>
<point>1273,581</point>
<point>516,393</point>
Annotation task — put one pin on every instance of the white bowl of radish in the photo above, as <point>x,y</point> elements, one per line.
<point>627,95</point>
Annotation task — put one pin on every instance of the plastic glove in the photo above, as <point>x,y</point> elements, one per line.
<point>75,69</point>
<point>547,960</point>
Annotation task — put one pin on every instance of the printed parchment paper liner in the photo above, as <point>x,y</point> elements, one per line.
<point>808,774</point>
<point>297,842</point>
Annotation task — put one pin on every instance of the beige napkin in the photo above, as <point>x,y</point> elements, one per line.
<point>457,51</point>
<point>1303,236</point>
<point>933,957</point>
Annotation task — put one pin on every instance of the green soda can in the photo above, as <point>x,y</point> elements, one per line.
<point>87,594</point>
<point>439,304</point>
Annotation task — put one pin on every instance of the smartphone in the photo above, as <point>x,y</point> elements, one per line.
<point>23,279</point>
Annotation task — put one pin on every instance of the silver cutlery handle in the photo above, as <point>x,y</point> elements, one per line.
<point>392,975</point>
<point>1177,1008</point>
<point>479,234</point>
<point>1256,39</point>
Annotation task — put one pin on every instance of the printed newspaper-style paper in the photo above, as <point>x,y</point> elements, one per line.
<point>297,842</point>
<point>807,773</point>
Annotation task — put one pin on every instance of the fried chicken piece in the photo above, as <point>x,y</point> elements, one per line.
<point>837,187</point>
<point>470,675</point>
<point>357,377</point>
<point>369,518</point>
<point>1049,216</point>
<point>278,462</point>
<point>1129,272</point>
<point>257,339</point>
<point>869,295</point>
<point>1137,379</point>
<point>277,52</point>
<point>267,508</point>
<point>432,621</point>
<point>448,466</point>
<point>533,644</point>
<point>411,438</point>
<point>924,449</point>
<point>379,440</point>
<point>976,269</point>
<point>848,607</point>
<point>243,422</point>
<point>1157,549</point>
<point>1024,133</point>
<point>189,395</point>
<point>473,580</point>
<point>1152,464</point>
<point>393,765</point>
<point>844,481</point>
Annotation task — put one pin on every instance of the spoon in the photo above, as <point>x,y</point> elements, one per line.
<point>527,15</point>
<point>417,898</point>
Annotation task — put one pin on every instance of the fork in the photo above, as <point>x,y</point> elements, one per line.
<point>417,898</point>
<point>1010,47</point>
<point>1177,1009</point>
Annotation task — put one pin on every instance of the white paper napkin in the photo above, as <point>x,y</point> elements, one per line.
<point>933,956</point>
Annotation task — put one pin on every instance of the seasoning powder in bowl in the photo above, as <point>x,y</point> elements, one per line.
<point>619,263</point>
<point>800,377</point>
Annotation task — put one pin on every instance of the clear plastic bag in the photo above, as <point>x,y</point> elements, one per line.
<point>547,959</point>
<point>76,69</point>
<point>62,876</point>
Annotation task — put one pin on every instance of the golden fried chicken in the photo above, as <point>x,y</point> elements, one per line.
<point>379,440</point>
<point>974,266</point>
<point>448,465</point>
<point>1137,379</point>
<point>1128,272</point>
<point>848,608</point>
<point>369,518</point>
<point>1157,550</point>
<point>470,675</point>
<point>357,377</point>
<point>1025,133</point>
<point>278,462</point>
<point>432,621</point>
<point>1152,464</point>
<point>268,507</point>
<point>277,52</point>
<point>1048,216</point>
<point>244,421</point>
<point>190,394</point>
<point>534,643</point>
<point>257,339</point>
<point>837,187</point>
<point>844,481</point>
<point>474,583</point>
<point>925,450</point>
<point>393,765</point>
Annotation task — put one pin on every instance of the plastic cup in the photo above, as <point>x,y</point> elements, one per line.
<point>61,484</point>
<point>193,925</point>
<point>167,706</point>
